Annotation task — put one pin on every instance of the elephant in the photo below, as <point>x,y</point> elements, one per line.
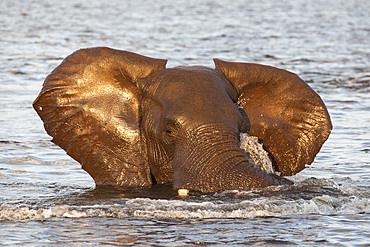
<point>131,122</point>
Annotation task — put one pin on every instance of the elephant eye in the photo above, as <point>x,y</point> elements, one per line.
<point>170,133</point>
<point>170,130</point>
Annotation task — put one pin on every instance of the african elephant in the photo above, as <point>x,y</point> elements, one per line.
<point>131,122</point>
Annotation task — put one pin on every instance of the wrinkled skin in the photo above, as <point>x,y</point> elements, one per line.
<point>131,122</point>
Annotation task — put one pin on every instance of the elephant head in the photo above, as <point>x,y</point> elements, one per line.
<point>131,122</point>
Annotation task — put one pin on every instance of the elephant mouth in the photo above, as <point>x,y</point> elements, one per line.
<point>256,154</point>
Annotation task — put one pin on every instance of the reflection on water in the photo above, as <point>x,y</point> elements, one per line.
<point>308,230</point>
<point>46,199</point>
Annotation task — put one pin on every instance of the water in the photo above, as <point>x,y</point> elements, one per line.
<point>47,200</point>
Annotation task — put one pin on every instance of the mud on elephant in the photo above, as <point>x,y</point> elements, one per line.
<point>132,122</point>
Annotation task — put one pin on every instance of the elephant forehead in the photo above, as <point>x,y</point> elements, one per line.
<point>194,95</point>
<point>196,84</point>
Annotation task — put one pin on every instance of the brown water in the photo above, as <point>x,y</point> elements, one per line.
<point>47,200</point>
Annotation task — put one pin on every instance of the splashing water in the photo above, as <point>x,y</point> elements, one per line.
<point>254,150</point>
<point>46,199</point>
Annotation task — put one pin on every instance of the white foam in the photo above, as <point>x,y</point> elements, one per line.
<point>348,199</point>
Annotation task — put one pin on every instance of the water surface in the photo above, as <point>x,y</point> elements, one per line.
<point>46,199</point>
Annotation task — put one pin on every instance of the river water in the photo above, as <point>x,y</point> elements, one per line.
<point>46,199</point>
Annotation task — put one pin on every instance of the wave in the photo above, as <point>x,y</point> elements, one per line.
<point>33,161</point>
<point>311,196</point>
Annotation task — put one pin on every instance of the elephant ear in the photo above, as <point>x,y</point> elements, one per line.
<point>90,106</point>
<point>289,117</point>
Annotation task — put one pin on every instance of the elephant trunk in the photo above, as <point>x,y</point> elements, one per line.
<point>211,160</point>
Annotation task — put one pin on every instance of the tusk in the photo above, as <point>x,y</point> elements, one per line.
<point>183,192</point>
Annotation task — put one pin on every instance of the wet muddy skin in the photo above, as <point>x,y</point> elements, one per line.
<point>46,199</point>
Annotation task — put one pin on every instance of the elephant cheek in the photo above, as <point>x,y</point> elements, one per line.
<point>160,159</point>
